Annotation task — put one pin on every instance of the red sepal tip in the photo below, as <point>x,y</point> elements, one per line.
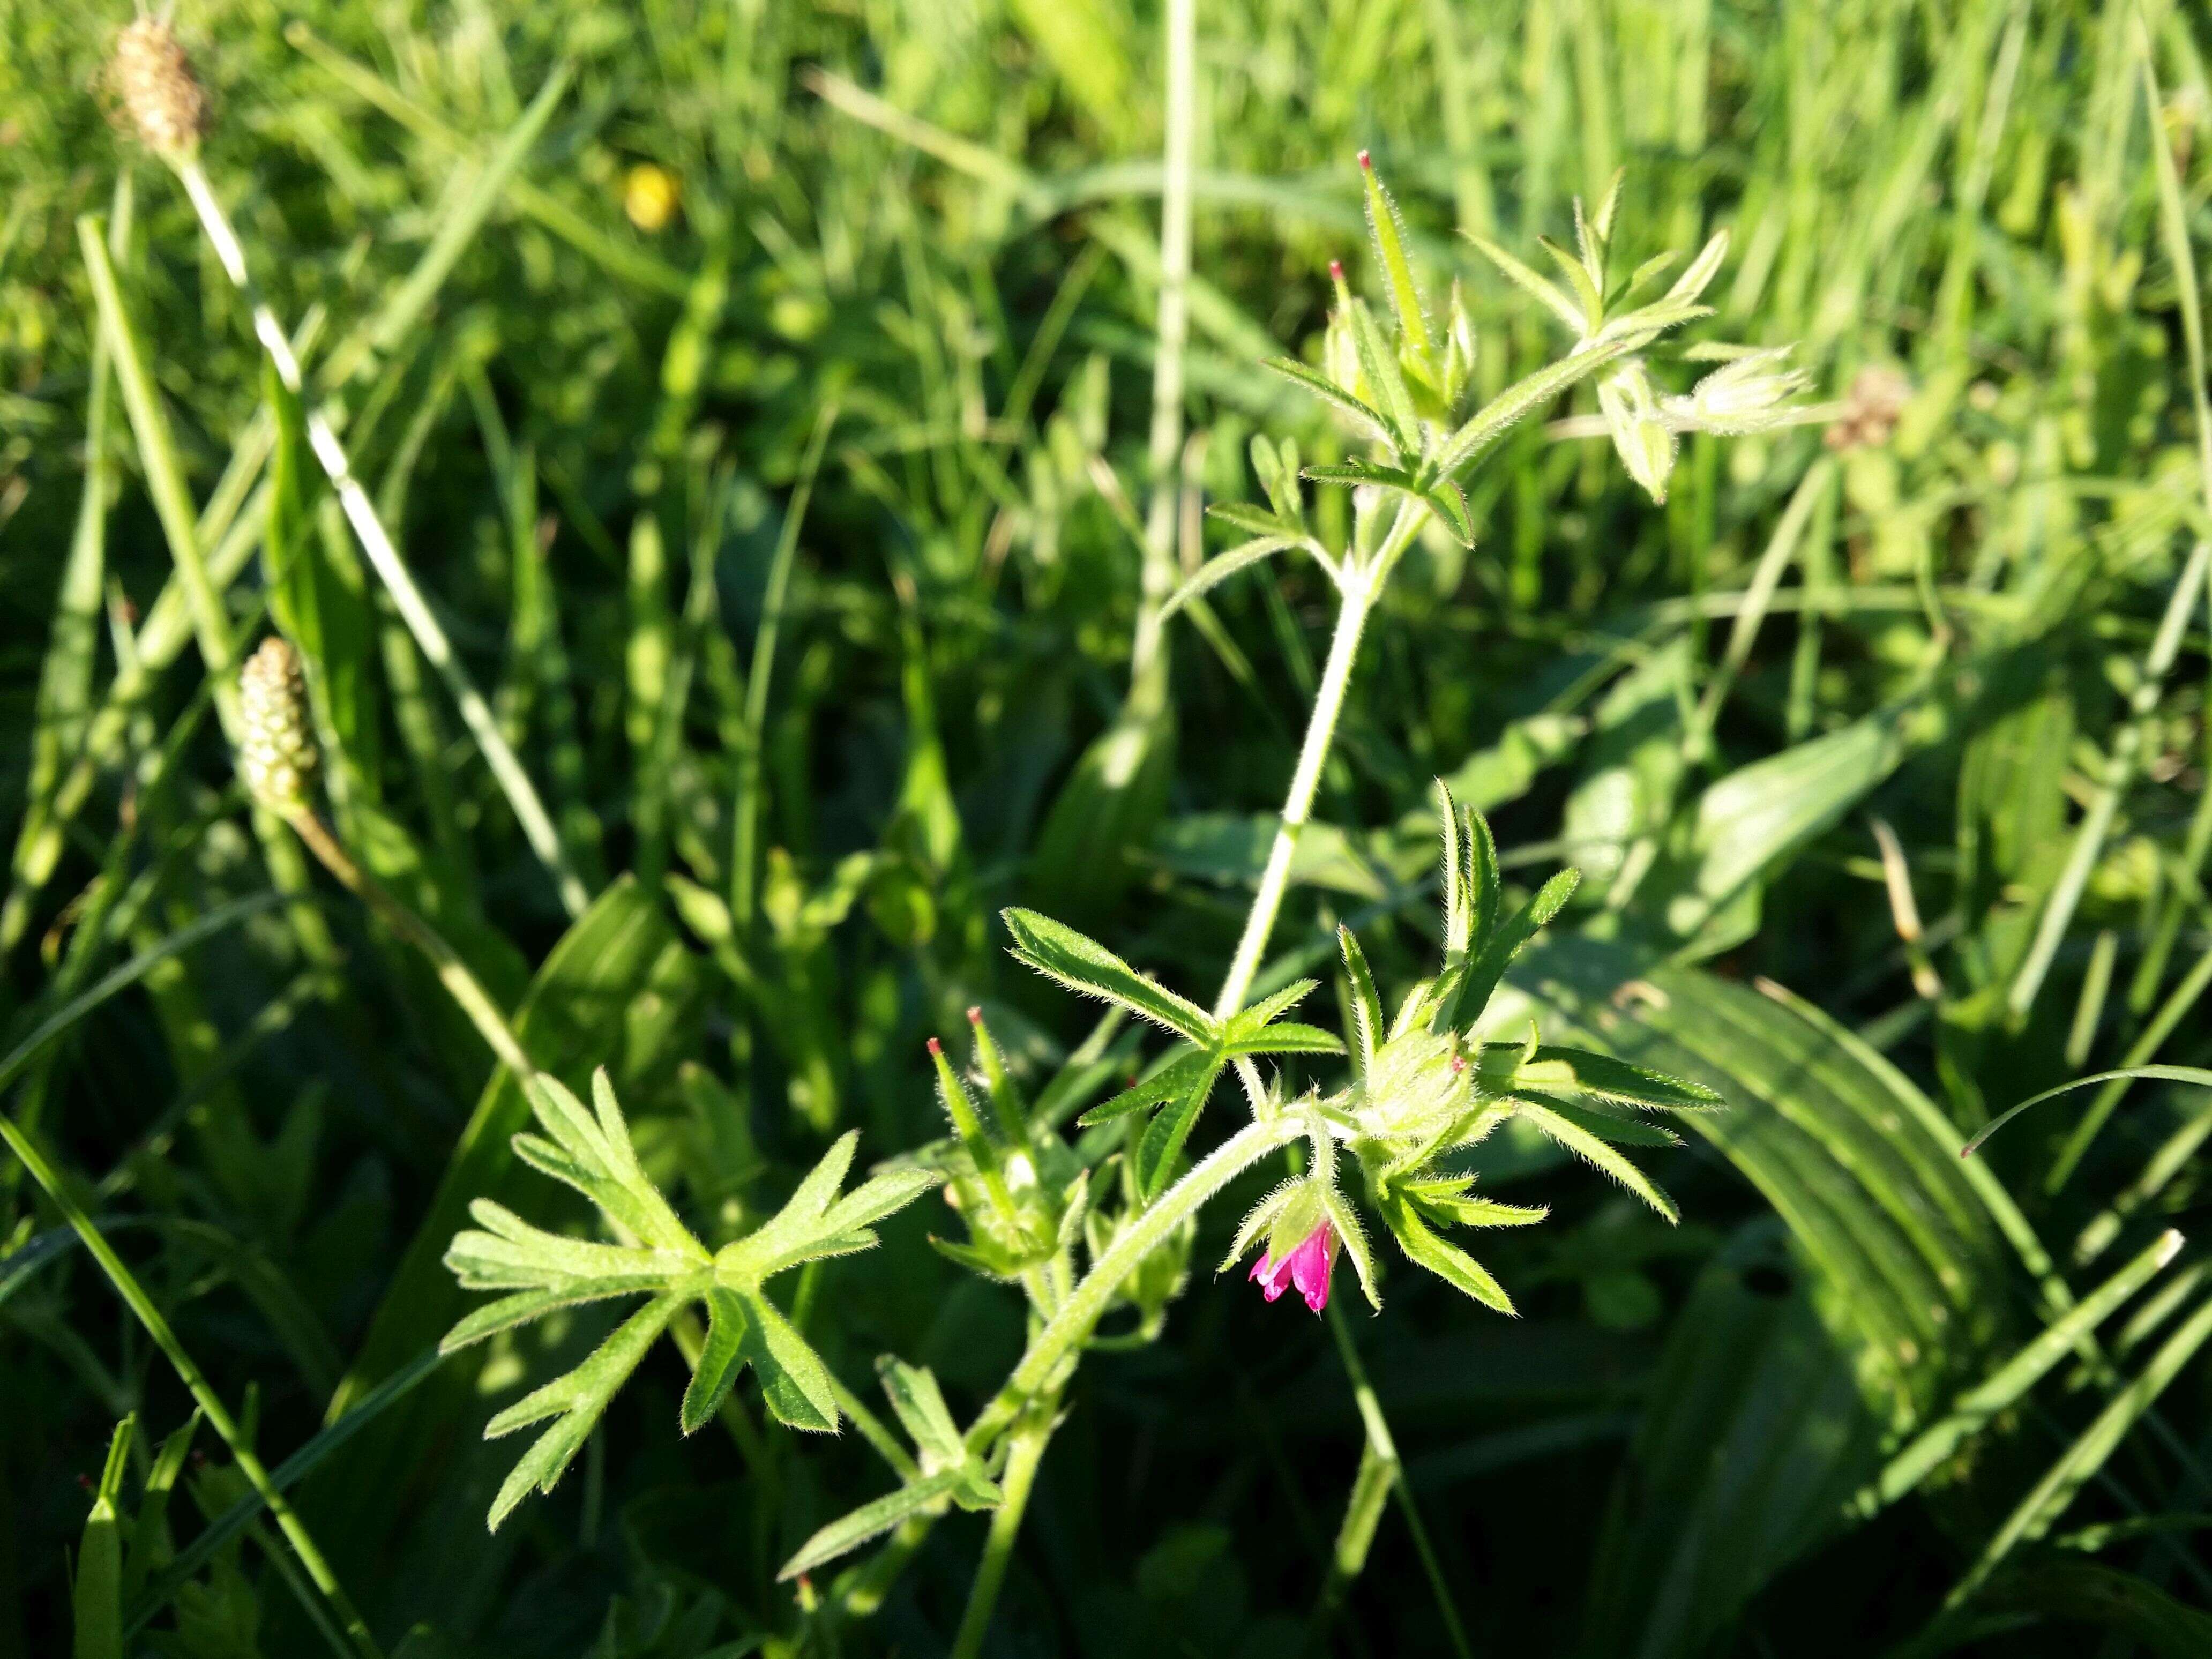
<point>975,1015</point>
<point>935,1047</point>
<point>1336,270</point>
<point>1364,163</point>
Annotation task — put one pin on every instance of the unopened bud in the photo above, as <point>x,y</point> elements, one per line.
<point>1750,395</point>
<point>276,750</point>
<point>1639,432</point>
<point>153,79</point>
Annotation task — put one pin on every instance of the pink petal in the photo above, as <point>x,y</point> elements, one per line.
<point>1273,1276</point>
<point>1310,1265</point>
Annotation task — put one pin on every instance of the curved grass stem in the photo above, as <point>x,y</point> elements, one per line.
<point>157,1327</point>
<point>430,637</point>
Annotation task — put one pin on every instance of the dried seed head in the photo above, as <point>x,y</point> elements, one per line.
<point>153,79</point>
<point>1871,409</point>
<point>276,751</point>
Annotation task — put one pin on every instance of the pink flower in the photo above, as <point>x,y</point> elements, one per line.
<point>1308,1267</point>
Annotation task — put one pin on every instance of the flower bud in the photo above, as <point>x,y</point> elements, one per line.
<point>1748,395</point>
<point>153,79</point>
<point>1639,432</point>
<point>276,750</point>
<point>1871,409</point>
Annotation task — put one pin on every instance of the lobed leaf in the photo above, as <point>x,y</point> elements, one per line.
<point>1084,965</point>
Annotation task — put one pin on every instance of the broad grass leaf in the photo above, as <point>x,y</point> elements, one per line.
<point>1860,1167</point>
<point>1758,815</point>
<point>1085,854</point>
<point>1755,1434</point>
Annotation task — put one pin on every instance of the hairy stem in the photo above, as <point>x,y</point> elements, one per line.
<point>1026,1446</point>
<point>1362,586</point>
<point>1080,1313</point>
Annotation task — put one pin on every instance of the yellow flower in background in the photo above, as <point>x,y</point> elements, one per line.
<point>650,195</point>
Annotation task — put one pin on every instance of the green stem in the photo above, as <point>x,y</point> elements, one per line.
<point>1025,1451</point>
<point>1384,1449</point>
<point>1362,586</point>
<point>218,1415</point>
<point>1073,1322</point>
<point>744,807</point>
<point>172,506</point>
<point>453,973</point>
<point>2119,772</point>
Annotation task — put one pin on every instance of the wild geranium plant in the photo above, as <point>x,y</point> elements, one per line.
<point>1088,1227</point>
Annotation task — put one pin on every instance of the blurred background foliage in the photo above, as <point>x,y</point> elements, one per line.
<point>764,414</point>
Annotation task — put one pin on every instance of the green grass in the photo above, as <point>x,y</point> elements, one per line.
<point>780,593</point>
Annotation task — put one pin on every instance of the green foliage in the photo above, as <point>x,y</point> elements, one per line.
<point>773,508</point>
<point>541,1271</point>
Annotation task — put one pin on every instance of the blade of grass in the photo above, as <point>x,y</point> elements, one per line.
<point>134,1294</point>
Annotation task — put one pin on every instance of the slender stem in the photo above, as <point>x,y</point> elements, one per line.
<point>1147,660</point>
<point>1384,1447</point>
<point>514,781</point>
<point>1025,1451</point>
<point>453,974</point>
<point>744,807</point>
<point>1361,586</point>
<point>218,1415</point>
<point>2119,773</point>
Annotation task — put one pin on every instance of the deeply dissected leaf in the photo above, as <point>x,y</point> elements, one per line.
<point>920,1405</point>
<point>576,1401</point>
<point>720,1360</point>
<point>1220,568</point>
<point>1366,1004</point>
<point>794,1380</point>
<point>1445,1259</point>
<point>1614,1079</point>
<point>1369,420</point>
<point>871,1519</point>
<point>1482,974</point>
<point>1596,1153</point>
<point>1171,1082</point>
